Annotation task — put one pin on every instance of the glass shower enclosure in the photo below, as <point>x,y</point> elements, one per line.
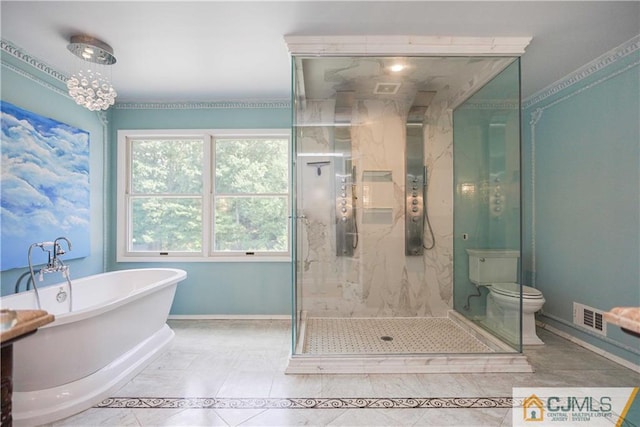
<point>397,163</point>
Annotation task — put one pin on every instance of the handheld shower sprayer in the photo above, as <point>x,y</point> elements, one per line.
<point>354,197</point>
<point>425,212</point>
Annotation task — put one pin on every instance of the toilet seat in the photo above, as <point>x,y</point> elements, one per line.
<point>513,290</point>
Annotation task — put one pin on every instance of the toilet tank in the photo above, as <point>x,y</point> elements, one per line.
<point>493,265</point>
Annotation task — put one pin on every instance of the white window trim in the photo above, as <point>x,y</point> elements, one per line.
<point>123,219</point>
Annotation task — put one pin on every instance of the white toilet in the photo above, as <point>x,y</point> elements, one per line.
<point>497,269</point>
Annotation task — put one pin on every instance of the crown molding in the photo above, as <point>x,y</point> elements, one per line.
<point>18,53</point>
<point>406,45</point>
<point>601,62</point>
<point>212,105</point>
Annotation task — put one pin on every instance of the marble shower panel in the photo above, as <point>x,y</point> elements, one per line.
<point>379,280</point>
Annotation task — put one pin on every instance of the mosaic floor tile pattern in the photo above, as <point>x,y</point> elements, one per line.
<point>388,335</point>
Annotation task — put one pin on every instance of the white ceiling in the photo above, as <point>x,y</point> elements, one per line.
<point>234,50</point>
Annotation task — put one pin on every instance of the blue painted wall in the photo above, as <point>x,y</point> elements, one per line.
<point>39,92</point>
<point>583,224</point>
<point>216,288</point>
<point>211,288</point>
<point>586,206</point>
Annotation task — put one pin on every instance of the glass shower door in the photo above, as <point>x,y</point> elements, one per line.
<point>316,173</point>
<point>298,231</point>
<point>487,199</point>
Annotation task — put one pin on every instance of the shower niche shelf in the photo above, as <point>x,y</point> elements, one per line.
<point>377,176</point>
<point>377,197</point>
<point>377,216</point>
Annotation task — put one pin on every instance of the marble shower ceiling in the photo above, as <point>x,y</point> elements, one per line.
<point>323,77</point>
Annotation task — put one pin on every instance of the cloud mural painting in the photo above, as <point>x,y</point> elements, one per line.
<point>44,187</point>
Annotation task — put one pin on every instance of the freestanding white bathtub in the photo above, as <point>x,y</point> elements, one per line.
<point>117,327</point>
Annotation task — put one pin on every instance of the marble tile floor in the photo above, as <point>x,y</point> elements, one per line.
<point>231,372</point>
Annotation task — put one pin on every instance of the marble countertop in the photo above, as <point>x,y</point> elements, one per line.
<point>27,321</point>
<point>625,317</point>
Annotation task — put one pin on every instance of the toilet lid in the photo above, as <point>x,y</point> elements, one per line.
<point>513,289</point>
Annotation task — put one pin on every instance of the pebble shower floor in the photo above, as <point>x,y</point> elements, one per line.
<point>388,335</point>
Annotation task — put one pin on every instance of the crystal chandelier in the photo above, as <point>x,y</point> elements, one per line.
<point>91,88</point>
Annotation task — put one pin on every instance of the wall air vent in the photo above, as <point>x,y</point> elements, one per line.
<point>589,318</point>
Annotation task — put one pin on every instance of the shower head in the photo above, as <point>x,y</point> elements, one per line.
<point>423,98</point>
<point>344,106</point>
<point>419,107</point>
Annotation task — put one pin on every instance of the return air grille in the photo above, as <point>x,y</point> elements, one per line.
<point>589,318</point>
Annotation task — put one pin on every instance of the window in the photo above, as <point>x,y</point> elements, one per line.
<point>203,196</point>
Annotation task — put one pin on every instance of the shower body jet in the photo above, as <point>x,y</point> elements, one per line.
<point>345,200</point>
<point>416,175</point>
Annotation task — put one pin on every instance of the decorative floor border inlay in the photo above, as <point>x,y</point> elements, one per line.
<point>306,403</point>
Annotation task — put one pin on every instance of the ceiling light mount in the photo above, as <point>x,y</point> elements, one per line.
<point>91,49</point>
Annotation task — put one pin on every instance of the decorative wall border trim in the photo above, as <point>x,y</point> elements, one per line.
<point>612,56</point>
<point>35,79</point>
<point>536,116</point>
<point>306,403</point>
<point>491,104</point>
<point>608,58</point>
<point>226,105</point>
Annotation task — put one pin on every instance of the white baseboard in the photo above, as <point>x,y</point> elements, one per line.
<point>590,347</point>
<point>229,317</point>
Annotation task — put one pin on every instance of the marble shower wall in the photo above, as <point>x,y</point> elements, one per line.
<point>379,280</point>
